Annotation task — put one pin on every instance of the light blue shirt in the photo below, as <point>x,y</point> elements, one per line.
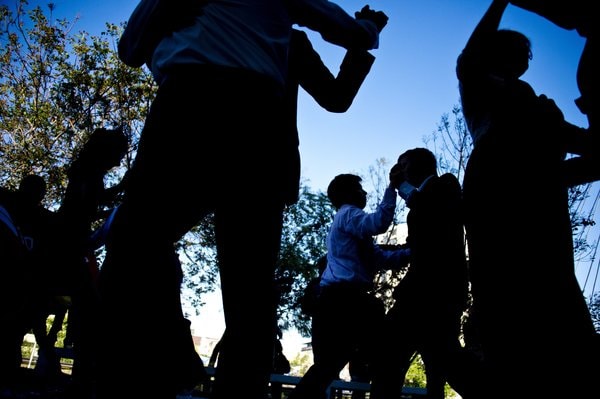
<point>255,35</point>
<point>352,255</point>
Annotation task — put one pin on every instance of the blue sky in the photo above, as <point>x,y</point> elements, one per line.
<point>411,85</point>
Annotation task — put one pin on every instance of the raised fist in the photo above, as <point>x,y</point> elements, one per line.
<point>378,17</point>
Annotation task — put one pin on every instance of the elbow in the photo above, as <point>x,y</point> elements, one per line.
<point>338,107</point>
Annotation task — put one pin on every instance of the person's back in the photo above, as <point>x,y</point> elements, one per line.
<point>30,308</point>
<point>85,194</point>
<point>18,229</point>
<point>36,226</point>
<point>218,108</point>
<point>433,293</point>
<point>576,15</point>
<point>81,206</point>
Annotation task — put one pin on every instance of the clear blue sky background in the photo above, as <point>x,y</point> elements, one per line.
<point>411,85</point>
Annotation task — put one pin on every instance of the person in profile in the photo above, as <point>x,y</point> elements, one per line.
<point>83,205</point>
<point>431,297</point>
<point>575,15</point>
<point>219,108</point>
<point>353,259</point>
<point>521,259</point>
<point>578,15</point>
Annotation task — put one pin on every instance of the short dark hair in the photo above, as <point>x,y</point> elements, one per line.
<point>33,188</point>
<point>342,189</point>
<point>508,40</point>
<point>421,159</point>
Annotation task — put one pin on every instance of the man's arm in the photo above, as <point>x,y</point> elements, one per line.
<point>488,24</point>
<point>472,56</point>
<point>333,93</point>
<point>334,24</point>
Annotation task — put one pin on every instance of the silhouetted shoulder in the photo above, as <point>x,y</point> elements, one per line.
<point>451,189</point>
<point>450,180</point>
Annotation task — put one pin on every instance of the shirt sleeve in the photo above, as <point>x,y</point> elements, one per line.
<point>334,24</point>
<point>363,224</point>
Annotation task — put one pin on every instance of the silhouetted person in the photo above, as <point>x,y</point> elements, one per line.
<point>25,226</point>
<point>38,225</point>
<point>517,221</point>
<point>345,296</point>
<point>333,93</point>
<point>12,258</point>
<point>219,108</point>
<point>82,206</point>
<point>432,296</point>
<point>579,15</point>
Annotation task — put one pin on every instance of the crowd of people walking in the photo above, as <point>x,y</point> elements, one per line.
<point>225,115</point>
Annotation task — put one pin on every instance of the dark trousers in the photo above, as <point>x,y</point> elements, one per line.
<point>209,145</point>
<point>347,319</point>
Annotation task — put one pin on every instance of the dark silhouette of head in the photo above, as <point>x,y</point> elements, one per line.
<point>104,149</point>
<point>508,54</point>
<point>32,189</point>
<point>416,165</point>
<point>347,189</point>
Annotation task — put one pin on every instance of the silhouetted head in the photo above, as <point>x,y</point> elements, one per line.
<point>508,54</point>
<point>416,165</point>
<point>104,149</point>
<point>346,189</point>
<point>32,189</point>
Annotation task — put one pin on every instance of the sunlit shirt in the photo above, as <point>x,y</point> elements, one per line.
<point>254,35</point>
<point>352,255</point>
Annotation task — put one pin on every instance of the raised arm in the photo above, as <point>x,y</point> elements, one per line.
<point>333,93</point>
<point>475,61</point>
<point>335,25</point>
<point>488,24</point>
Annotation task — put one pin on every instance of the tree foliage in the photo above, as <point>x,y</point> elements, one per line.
<point>303,242</point>
<point>57,85</point>
<point>595,310</point>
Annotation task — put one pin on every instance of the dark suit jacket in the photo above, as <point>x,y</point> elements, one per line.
<point>437,279</point>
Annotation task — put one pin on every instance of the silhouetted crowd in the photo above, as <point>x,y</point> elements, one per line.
<point>222,133</point>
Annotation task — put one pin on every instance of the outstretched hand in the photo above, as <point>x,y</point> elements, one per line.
<point>377,17</point>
